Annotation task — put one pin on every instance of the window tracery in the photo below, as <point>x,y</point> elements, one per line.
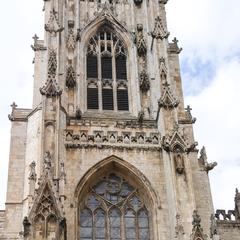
<point>106,60</point>
<point>113,210</point>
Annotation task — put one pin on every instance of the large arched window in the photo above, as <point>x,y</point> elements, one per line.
<point>113,210</point>
<point>106,71</point>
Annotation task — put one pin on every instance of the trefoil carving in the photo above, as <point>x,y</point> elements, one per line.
<point>167,101</point>
<point>141,43</point>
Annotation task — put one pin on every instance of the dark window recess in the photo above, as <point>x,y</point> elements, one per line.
<point>122,99</point>
<point>107,99</point>
<point>121,67</point>
<point>106,67</point>
<point>92,98</point>
<point>92,67</point>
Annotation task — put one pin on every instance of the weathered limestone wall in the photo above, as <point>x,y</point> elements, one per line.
<point>2,224</point>
<point>16,177</point>
<point>229,230</point>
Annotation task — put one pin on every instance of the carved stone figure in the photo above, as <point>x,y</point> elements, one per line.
<point>179,161</point>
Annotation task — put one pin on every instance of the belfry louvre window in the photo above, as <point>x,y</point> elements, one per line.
<point>106,72</point>
<point>112,210</point>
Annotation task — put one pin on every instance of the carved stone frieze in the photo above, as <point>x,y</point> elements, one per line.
<point>144,81</point>
<point>119,140</point>
<point>167,101</point>
<point>141,43</point>
<point>53,25</point>
<point>70,77</point>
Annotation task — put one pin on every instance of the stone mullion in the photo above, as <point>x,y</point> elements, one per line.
<point>99,80</point>
<point>114,76</point>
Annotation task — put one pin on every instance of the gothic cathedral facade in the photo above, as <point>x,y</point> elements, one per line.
<point>107,150</point>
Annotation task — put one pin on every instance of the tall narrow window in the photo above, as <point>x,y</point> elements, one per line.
<point>113,211</point>
<point>107,61</point>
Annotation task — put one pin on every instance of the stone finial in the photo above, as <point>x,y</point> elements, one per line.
<point>188,110</point>
<point>237,204</point>
<point>10,116</point>
<point>173,46</point>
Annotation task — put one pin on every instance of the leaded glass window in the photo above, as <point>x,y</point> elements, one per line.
<point>106,72</point>
<point>113,210</point>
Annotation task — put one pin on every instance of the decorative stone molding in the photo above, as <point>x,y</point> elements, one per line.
<point>70,77</point>
<point>159,32</point>
<point>203,161</point>
<point>144,81</point>
<point>51,89</point>
<point>53,25</point>
<point>141,43</point>
<point>173,47</point>
<point>167,101</point>
<point>197,231</point>
<point>177,143</point>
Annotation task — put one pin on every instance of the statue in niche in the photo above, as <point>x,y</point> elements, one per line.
<point>179,161</point>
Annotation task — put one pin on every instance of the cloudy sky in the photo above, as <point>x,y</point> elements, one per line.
<point>209,34</point>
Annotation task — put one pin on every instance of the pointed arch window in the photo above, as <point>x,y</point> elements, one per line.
<point>113,210</point>
<point>106,72</point>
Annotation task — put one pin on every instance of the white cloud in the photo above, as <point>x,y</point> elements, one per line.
<point>217,110</point>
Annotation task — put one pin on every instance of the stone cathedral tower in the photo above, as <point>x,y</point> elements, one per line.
<point>107,150</point>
